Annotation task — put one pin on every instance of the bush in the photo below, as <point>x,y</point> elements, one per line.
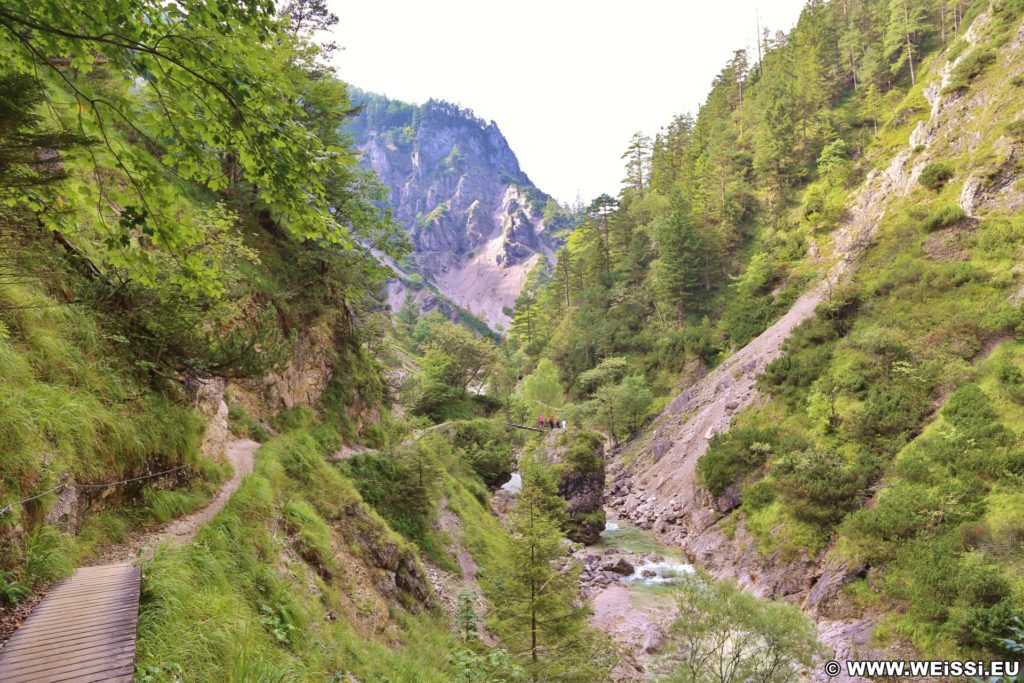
<point>1015,129</point>
<point>935,175</point>
<point>891,415</point>
<point>818,486</point>
<point>487,448</point>
<point>969,68</point>
<point>585,450</point>
<point>943,216</point>
<point>982,628</point>
<point>935,576</point>
<point>734,454</point>
<point>901,512</point>
<point>970,410</point>
<point>758,495</point>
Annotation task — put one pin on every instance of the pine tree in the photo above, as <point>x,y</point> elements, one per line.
<point>638,161</point>
<point>537,615</point>
<point>902,35</point>
<point>678,267</point>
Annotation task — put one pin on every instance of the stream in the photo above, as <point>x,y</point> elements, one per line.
<point>629,577</point>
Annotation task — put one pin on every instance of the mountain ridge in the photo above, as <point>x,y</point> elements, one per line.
<point>477,223</point>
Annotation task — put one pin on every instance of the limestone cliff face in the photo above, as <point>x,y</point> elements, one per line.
<point>476,221</point>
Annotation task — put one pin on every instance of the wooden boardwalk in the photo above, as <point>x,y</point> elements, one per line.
<point>83,630</point>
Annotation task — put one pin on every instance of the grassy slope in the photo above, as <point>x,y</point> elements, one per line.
<point>71,408</point>
<point>287,582</point>
<point>934,305</point>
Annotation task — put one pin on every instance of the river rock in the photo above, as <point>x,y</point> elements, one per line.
<point>622,566</point>
<point>653,638</point>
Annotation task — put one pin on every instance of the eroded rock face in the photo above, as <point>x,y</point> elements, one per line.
<point>475,218</point>
<point>580,458</point>
<point>207,395</point>
<point>305,378</point>
<point>301,382</point>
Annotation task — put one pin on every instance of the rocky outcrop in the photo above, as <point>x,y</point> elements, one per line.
<point>207,396</point>
<point>305,378</point>
<point>476,221</point>
<point>579,459</point>
<point>301,382</point>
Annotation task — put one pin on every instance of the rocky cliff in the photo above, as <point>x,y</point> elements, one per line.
<point>578,461</point>
<point>477,222</point>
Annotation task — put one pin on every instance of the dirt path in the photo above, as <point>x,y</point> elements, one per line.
<point>241,454</point>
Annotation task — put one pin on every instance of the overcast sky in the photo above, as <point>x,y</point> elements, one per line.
<point>567,81</point>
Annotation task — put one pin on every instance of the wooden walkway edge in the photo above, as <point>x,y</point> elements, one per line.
<point>83,630</point>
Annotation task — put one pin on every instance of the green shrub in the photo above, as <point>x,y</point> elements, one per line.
<point>758,495</point>
<point>891,414</point>
<point>970,410</point>
<point>901,512</point>
<point>943,216</point>
<point>487,448</point>
<point>969,68</point>
<point>937,576</point>
<point>585,450</point>
<point>982,629</point>
<point>934,176</point>
<point>817,485</point>
<point>1017,81</point>
<point>738,452</point>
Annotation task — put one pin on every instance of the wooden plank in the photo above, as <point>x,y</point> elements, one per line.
<point>54,648</point>
<point>77,621</point>
<point>73,661</point>
<point>124,674</point>
<point>83,630</point>
<point>86,602</point>
<point>107,671</point>
<point>118,673</point>
<point>102,632</point>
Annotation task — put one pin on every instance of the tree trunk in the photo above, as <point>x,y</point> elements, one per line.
<point>910,43</point>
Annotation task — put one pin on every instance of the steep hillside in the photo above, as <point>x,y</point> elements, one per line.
<point>477,223</point>
<point>834,490</point>
<point>802,317</point>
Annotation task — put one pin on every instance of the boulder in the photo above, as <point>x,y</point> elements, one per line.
<point>653,639</point>
<point>622,566</point>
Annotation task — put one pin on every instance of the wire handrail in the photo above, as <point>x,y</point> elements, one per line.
<point>7,508</point>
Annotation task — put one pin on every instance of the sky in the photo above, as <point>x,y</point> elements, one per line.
<point>567,81</point>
